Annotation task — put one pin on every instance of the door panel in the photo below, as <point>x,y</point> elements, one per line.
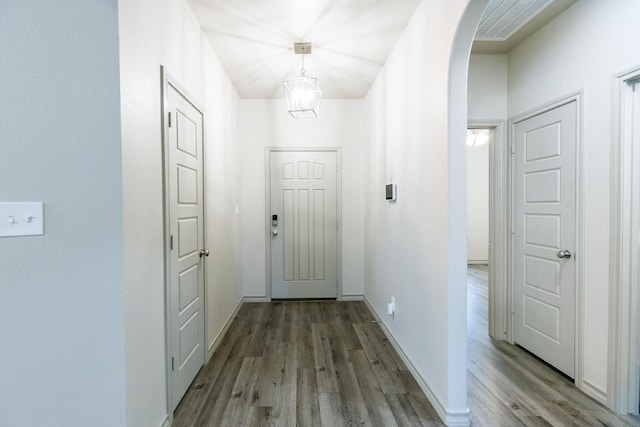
<point>304,250</point>
<point>544,221</point>
<point>186,215</point>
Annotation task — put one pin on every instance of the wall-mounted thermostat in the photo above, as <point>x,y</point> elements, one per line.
<point>391,192</point>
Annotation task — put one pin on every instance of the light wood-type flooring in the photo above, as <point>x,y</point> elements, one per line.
<point>327,363</point>
<point>507,386</point>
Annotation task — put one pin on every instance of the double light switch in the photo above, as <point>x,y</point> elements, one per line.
<point>21,219</point>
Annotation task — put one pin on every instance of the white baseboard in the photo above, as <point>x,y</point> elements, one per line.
<point>214,345</point>
<point>594,392</point>
<point>456,419</point>
<point>255,299</point>
<point>476,262</point>
<point>354,297</point>
<point>168,421</point>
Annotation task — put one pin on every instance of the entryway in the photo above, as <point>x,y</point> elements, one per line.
<point>303,222</point>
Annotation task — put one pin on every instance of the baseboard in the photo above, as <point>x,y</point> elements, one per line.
<point>223,332</point>
<point>594,392</point>
<point>454,419</point>
<point>255,299</point>
<point>478,262</point>
<point>354,297</point>
<point>168,421</point>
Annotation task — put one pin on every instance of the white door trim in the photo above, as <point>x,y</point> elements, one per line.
<point>498,226</point>
<point>168,80</point>
<point>267,215</point>
<point>624,369</point>
<point>579,221</point>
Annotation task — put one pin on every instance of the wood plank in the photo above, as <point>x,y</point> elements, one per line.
<point>325,369</point>
<point>354,408</point>
<point>331,409</point>
<point>284,408</point>
<point>307,403</point>
<point>403,412</point>
<point>377,405</point>
<point>242,392</point>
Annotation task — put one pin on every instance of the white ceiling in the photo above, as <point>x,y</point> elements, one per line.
<point>503,18</point>
<point>351,39</point>
<point>506,23</point>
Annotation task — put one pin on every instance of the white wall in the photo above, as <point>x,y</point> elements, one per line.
<point>487,87</point>
<point>581,50</point>
<point>61,303</point>
<point>415,249</point>
<point>487,102</point>
<point>478,204</point>
<point>266,123</point>
<point>154,34</point>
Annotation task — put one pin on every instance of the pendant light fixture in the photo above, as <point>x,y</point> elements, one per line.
<point>303,92</point>
<point>477,137</point>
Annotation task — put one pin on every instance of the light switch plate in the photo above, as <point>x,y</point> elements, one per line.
<point>21,219</point>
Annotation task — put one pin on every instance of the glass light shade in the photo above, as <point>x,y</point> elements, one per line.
<point>303,96</point>
<point>477,137</point>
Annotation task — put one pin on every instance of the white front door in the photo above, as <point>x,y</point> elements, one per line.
<point>186,227</point>
<point>544,267</point>
<point>304,224</point>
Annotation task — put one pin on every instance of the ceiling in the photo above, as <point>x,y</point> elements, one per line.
<point>351,39</point>
<point>506,23</point>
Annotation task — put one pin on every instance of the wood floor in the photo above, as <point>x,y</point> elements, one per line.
<point>509,387</point>
<point>308,364</point>
<point>329,364</point>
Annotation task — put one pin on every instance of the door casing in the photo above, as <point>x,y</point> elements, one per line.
<point>498,231</point>
<point>624,293</point>
<point>168,80</point>
<point>267,214</point>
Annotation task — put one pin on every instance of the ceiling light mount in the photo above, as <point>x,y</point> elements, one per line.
<point>302,48</point>
<point>302,93</point>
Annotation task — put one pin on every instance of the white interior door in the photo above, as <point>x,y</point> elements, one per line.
<point>544,267</point>
<point>186,266</point>
<point>304,224</point>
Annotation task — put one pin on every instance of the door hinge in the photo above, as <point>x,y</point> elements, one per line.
<point>513,148</point>
<point>513,229</point>
<point>173,363</point>
<point>169,119</point>
<point>171,242</point>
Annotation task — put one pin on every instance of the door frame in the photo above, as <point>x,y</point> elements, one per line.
<point>624,345</point>
<point>167,80</point>
<point>268,151</point>
<point>576,97</point>
<point>498,229</point>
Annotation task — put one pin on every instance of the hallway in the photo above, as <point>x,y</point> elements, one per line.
<point>305,363</point>
<point>327,363</point>
<point>508,384</point>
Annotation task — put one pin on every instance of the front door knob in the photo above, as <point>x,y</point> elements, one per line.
<point>564,254</point>
<point>204,252</point>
